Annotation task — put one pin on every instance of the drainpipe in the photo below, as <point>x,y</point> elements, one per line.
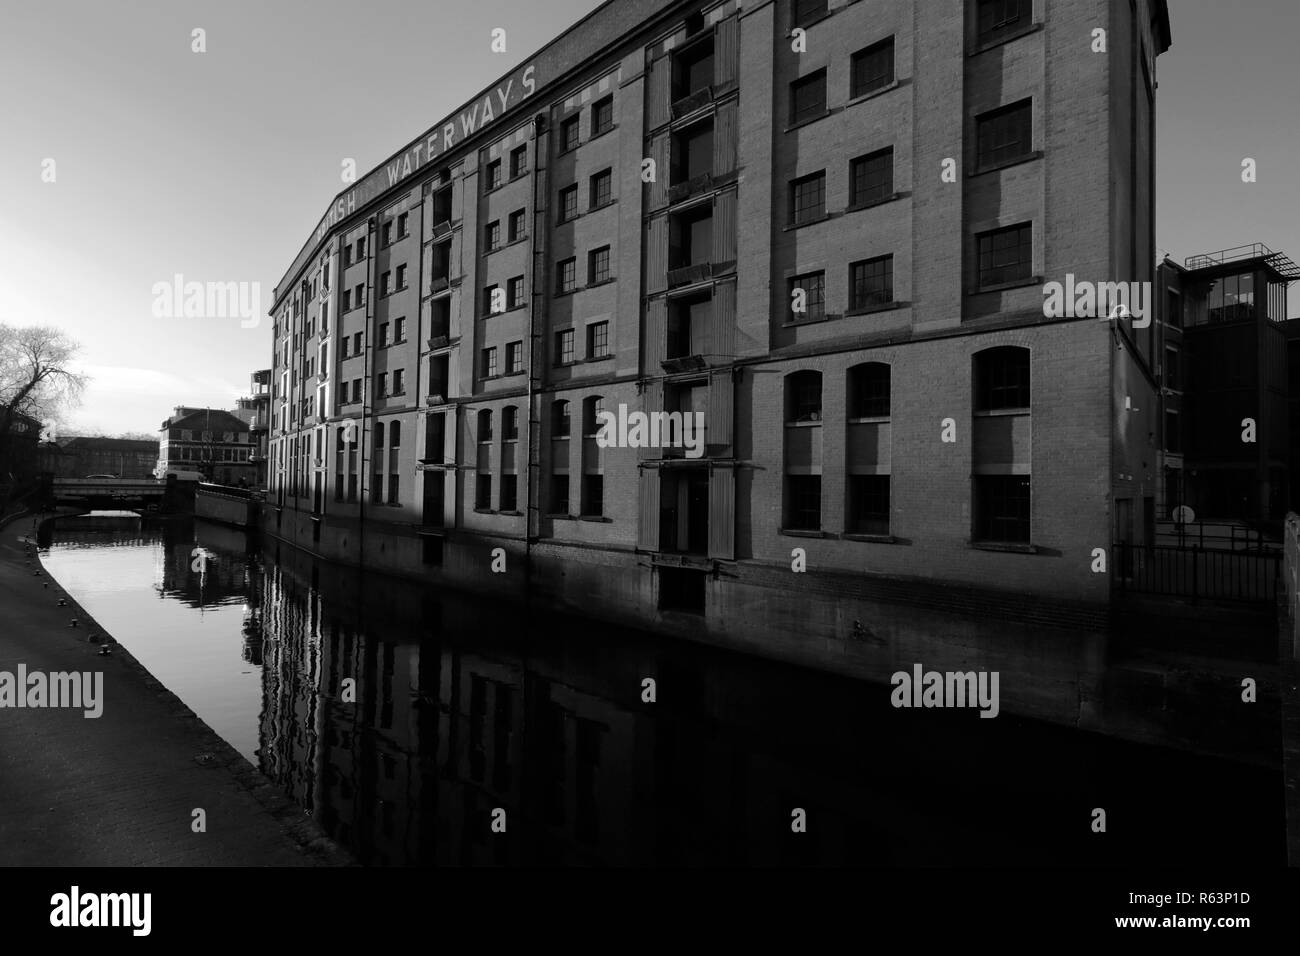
<point>367,369</point>
<point>532,509</point>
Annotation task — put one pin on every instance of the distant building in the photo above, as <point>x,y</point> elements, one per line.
<point>79,457</point>
<point>1222,367</point>
<point>256,412</point>
<point>214,442</point>
<point>18,450</point>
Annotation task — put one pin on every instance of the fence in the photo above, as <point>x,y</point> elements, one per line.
<point>1197,572</point>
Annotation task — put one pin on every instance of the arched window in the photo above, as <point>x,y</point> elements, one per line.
<point>803,397</point>
<point>869,386</point>
<point>1001,378</point>
<point>591,409</point>
<point>560,419</point>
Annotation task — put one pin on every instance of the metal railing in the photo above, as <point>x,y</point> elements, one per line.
<point>1197,572</point>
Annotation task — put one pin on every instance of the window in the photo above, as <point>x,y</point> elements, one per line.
<point>1171,369</point>
<point>383,335</point>
<point>356,343</point>
<point>559,504</point>
<point>359,296</point>
<point>510,423</point>
<point>872,68</point>
<point>593,495</point>
<point>1002,379</point>
<point>386,234</point>
<point>394,451</point>
<point>803,397</point>
<point>598,340</point>
<point>598,265</point>
<point>492,175</point>
<point>381,385</point>
<point>515,292</point>
<point>488,363</point>
<point>1005,255</point>
<point>509,493</point>
<point>566,275</point>
<point>347,255</point>
<point>1173,434</point>
<point>998,18</point>
<point>803,502</point>
<point>806,11</point>
<point>356,390</point>
<point>560,419</point>
<point>569,134</point>
<point>808,297</point>
<point>490,300</point>
<point>399,330</point>
<point>564,347</point>
<point>377,486</point>
<point>401,278</point>
<point>808,198</point>
<point>869,390</point>
<point>1004,134</point>
<point>868,504</point>
<point>591,409</point>
<point>343,346</point>
<point>569,203</point>
<point>399,382</point>
<point>485,425</point>
<point>1002,508</point>
<point>514,357</point>
<point>602,188</point>
<point>483,492</point>
<point>871,282</point>
<point>518,161</point>
<point>516,226</point>
<point>384,281</point>
<point>602,116</point>
<point>808,97</point>
<point>871,177</point>
<point>361,248</point>
<point>402,230</point>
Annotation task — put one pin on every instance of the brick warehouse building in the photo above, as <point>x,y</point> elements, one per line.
<point>911,177</point>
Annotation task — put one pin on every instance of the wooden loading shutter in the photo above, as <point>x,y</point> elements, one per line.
<point>657,189</point>
<point>656,255</point>
<point>656,336</point>
<point>726,53</point>
<point>724,228</point>
<point>718,421</point>
<point>725,135</point>
<point>657,91</point>
<point>652,400</point>
<point>721,346</point>
<point>722,513</point>
<point>647,512</point>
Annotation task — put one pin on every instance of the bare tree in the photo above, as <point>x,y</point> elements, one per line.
<point>36,381</point>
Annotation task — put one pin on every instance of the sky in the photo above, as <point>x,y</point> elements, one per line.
<point>217,166</point>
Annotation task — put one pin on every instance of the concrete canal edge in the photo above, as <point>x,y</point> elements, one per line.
<point>121,789</point>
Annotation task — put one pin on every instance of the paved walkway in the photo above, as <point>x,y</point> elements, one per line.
<point>119,790</point>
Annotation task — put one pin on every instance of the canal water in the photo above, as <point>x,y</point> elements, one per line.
<point>408,722</point>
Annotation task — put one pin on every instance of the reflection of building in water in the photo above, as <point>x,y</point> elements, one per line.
<point>462,707</point>
<point>200,567</point>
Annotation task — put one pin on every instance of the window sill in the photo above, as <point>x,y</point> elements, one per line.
<point>804,423</point>
<point>596,358</point>
<point>807,222</point>
<point>505,311</point>
<point>795,533</point>
<point>999,412</point>
<point>813,21</point>
<point>598,284</point>
<point>561,517</point>
<point>511,513</point>
<point>869,538</point>
<point>872,309</point>
<point>1006,163</point>
<point>483,511</point>
<point>1013,284</point>
<point>873,203</point>
<point>872,94</point>
<point>604,132</point>
<point>516,177</point>
<point>999,41</point>
<point>800,124</point>
<point>1005,546</point>
<point>598,519</point>
<point>489,190</point>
